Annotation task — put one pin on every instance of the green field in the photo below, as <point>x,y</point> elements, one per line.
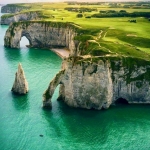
<point>113,35</point>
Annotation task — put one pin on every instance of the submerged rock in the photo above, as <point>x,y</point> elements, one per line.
<point>20,85</point>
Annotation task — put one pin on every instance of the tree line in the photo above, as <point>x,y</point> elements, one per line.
<point>80,10</point>
<point>121,14</point>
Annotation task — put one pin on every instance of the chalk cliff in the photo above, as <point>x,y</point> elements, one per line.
<point>99,84</point>
<point>42,35</point>
<point>20,85</point>
<point>7,19</point>
<point>96,82</point>
<point>12,8</point>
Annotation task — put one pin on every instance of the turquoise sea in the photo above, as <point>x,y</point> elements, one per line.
<point>22,120</point>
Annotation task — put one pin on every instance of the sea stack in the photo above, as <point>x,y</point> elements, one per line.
<point>20,85</point>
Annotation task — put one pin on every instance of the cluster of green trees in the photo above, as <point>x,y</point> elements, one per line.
<point>111,11</point>
<point>133,5</point>
<point>122,14</point>
<point>85,3</point>
<point>80,10</point>
<point>79,15</point>
<point>134,21</point>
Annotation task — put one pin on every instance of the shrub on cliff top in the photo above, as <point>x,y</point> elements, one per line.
<point>79,15</point>
<point>7,16</point>
<point>99,52</point>
<point>84,37</point>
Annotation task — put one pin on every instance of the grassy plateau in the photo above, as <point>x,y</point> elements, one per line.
<point>116,29</point>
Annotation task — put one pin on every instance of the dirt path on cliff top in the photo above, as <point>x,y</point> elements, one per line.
<point>61,52</point>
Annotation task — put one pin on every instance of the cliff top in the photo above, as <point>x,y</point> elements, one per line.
<point>49,24</point>
<point>105,35</point>
<point>93,42</point>
<point>27,12</point>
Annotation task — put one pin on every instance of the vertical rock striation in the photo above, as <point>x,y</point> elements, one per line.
<point>20,85</point>
<point>86,85</point>
<point>100,84</point>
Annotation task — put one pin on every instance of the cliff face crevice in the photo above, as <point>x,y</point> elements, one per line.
<point>42,35</point>
<point>98,85</point>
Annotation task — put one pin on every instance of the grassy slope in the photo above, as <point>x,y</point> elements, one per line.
<point>109,35</point>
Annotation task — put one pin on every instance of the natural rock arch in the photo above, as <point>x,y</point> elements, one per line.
<point>74,89</point>
<point>83,86</point>
<point>42,35</point>
<point>27,35</point>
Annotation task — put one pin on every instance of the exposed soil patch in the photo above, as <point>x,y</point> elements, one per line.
<point>134,35</point>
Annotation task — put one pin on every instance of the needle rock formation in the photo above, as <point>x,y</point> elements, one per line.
<point>20,85</point>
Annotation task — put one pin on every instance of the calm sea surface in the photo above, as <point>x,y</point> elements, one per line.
<point>22,119</point>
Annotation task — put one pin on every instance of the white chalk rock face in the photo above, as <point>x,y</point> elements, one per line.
<point>26,16</point>
<point>20,85</point>
<point>98,85</point>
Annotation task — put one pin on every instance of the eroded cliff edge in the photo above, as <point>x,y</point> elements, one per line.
<point>98,84</point>
<point>25,16</point>
<point>13,8</point>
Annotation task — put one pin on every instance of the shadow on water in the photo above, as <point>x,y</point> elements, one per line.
<point>86,126</point>
<point>21,102</point>
<point>35,53</point>
<point>52,122</point>
<point>46,53</point>
<point>13,54</point>
<point>94,127</point>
